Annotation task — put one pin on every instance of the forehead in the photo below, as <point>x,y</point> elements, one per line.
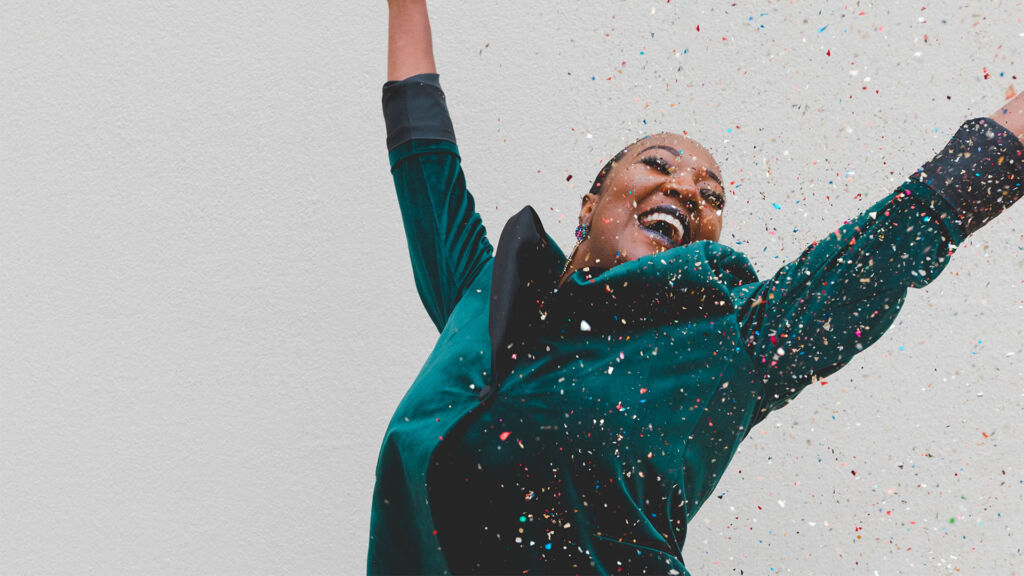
<point>690,151</point>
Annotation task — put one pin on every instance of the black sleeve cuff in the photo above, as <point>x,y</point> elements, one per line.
<point>416,108</point>
<point>979,173</point>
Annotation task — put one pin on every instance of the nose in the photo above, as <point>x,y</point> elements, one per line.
<point>685,189</point>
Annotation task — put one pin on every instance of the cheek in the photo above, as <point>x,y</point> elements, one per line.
<point>612,217</point>
<point>618,239</point>
<point>710,225</point>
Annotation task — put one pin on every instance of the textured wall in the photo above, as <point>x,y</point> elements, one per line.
<point>207,311</point>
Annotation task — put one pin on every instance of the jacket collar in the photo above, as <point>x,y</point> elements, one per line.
<point>527,264</point>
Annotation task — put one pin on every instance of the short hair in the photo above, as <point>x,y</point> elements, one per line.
<point>595,188</point>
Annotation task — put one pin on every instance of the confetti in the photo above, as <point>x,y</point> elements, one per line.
<point>615,452</point>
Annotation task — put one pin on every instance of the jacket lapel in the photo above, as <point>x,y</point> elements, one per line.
<point>527,262</point>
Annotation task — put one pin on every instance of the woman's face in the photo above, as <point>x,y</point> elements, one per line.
<point>666,190</point>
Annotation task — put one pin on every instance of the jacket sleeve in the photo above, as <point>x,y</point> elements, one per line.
<point>448,244</point>
<point>844,291</point>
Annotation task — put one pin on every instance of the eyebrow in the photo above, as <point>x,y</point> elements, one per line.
<point>711,173</point>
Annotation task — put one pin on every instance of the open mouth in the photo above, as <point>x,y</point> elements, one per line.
<point>666,223</point>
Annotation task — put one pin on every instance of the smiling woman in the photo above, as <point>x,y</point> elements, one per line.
<point>576,413</point>
<point>660,192</point>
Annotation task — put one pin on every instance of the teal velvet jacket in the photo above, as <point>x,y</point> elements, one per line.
<point>578,430</point>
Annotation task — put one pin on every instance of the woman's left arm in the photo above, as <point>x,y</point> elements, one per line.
<point>844,291</point>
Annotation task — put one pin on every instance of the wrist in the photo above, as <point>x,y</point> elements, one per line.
<point>978,173</point>
<point>398,4</point>
<point>1011,116</point>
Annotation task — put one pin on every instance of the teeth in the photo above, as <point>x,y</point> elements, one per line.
<point>664,218</point>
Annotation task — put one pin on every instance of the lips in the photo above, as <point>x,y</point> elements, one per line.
<point>667,223</point>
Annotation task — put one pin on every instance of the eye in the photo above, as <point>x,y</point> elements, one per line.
<point>658,164</point>
<point>713,197</point>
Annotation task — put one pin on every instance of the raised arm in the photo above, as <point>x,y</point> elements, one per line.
<point>843,292</point>
<point>447,241</point>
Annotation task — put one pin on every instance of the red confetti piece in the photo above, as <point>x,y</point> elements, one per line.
<point>504,436</point>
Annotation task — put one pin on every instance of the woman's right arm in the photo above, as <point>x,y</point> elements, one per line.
<point>447,241</point>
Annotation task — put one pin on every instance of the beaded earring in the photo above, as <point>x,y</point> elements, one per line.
<point>582,231</point>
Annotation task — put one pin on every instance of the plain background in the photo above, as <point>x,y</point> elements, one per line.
<point>207,312</point>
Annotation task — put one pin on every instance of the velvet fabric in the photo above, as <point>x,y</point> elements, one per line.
<point>578,429</point>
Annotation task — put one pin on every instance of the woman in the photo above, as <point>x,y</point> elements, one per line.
<point>576,413</point>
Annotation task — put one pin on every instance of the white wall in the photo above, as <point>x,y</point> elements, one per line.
<point>207,311</point>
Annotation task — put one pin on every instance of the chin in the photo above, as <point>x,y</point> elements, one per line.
<point>644,247</point>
